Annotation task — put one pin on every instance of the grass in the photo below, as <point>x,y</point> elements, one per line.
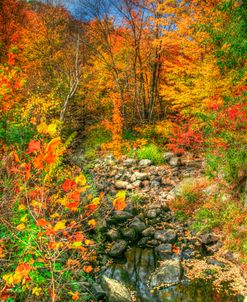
<point>96,136</point>
<point>151,152</point>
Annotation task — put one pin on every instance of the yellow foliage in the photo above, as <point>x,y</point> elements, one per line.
<point>36,291</point>
<point>21,227</point>
<point>60,225</point>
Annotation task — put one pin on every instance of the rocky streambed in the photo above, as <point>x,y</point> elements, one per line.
<point>151,256</point>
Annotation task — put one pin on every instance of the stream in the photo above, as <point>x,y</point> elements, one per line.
<point>135,272</point>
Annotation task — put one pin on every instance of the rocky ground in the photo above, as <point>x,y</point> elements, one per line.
<point>151,253</point>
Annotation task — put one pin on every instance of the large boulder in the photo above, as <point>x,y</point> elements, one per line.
<point>119,216</point>
<point>116,291</point>
<point>113,235</point>
<point>169,273</point>
<point>138,225</point>
<point>118,248</point>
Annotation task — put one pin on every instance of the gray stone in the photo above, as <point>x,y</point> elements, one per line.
<point>113,234</point>
<point>110,157</point>
<point>145,184</point>
<point>118,248</point>
<point>129,233</point>
<point>119,216</point>
<point>121,184</point>
<point>143,242</point>
<point>174,161</point>
<point>164,251</point>
<point>141,176</point>
<point>155,183</point>
<point>215,262</point>
<point>116,291</point>
<point>151,213</point>
<point>130,187</point>
<point>148,232</point>
<point>145,163</point>
<point>136,184</point>
<point>133,178</point>
<point>209,238</point>
<point>129,162</point>
<point>138,225</point>
<point>166,236</point>
<point>168,155</point>
<point>170,272</point>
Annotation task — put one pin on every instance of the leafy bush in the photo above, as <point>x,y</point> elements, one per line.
<point>151,152</point>
<point>230,163</point>
<point>12,134</point>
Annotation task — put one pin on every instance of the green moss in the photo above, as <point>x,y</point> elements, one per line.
<point>151,152</point>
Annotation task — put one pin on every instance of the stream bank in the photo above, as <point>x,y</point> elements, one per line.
<point>151,255</point>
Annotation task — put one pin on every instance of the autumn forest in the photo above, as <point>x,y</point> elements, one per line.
<point>123,131</point>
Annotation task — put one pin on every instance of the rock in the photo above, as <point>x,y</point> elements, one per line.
<point>138,225</point>
<point>228,255</point>
<point>209,238</point>
<point>121,184</point>
<point>187,254</point>
<point>133,178</point>
<point>129,233</point>
<point>163,251</point>
<point>151,213</point>
<point>130,187</point>
<point>143,242</point>
<point>131,209</point>
<point>169,273</point>
<point>149,232</point>
<point>215,262</point>
<point>215,247</point>
<point>145,183</point>
<point>154,242</point>
<point>155,184</point>
<point>145,163</point>
<point>141,176</point>
<point>136,184</point>
<point>118,248</point>
<point>110,157</point>
<point>119,216</point>
<point>126,176</point>
<point>116,291</point>
<point>129,162</point>
<point>174,161</point>
<point>113,234</point>
<point>196,163</point>
<point>166,236</point>
<point>168,155</point>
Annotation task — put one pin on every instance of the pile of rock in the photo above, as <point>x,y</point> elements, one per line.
<point>142,176</point>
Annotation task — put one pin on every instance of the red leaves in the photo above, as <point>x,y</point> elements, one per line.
<point>42,222</point>
<point>72,205</point>
<point>34,146</point>
<point>90,208</point>
<point>69,185</point>
<point>23,269</point>
<point>185,138</point>
<point>74,196</point>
